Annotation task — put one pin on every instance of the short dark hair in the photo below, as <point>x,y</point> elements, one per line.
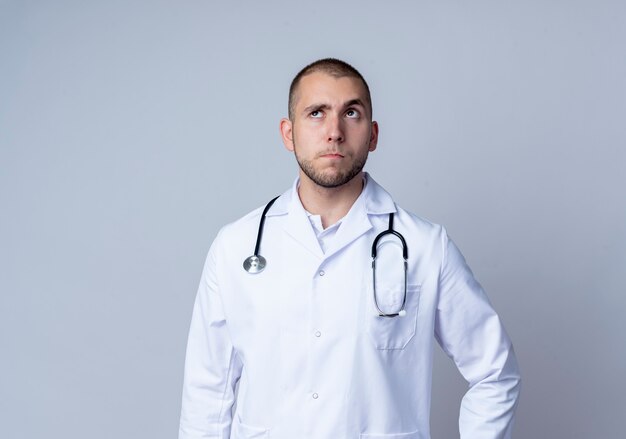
<point>331,66</point>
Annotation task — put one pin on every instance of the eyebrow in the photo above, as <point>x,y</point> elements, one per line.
<point>355,102</point>
<point>317,107</point>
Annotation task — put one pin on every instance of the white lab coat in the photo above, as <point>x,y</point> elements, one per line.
<point>313,358</point>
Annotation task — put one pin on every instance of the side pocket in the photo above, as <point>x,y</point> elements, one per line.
<point>243,431</point>
<point>412,435</point>
<point>393,332</point>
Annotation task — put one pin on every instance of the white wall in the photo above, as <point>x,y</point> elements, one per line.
<point>131,130</point>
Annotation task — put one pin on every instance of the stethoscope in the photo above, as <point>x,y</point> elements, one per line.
<point>256,263</point>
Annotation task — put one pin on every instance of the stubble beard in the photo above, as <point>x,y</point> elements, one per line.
<point>334,179</point>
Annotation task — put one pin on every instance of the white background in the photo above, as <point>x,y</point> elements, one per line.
<point>130,131</point>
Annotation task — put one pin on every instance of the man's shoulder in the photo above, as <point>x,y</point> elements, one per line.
<point>380,201</point>
<point>250,221</point>
<point>417,222</point>
<point>233,235</point>
<point>242,224</point>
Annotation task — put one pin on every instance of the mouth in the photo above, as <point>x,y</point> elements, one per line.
<point>332,155</point>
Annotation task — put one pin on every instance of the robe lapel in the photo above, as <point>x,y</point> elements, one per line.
<point>355,224</point>
<point>373,201</point>
<point>298,226</point>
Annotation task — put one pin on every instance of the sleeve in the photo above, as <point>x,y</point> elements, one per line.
<point>470,332</point>
<point>212,367</point>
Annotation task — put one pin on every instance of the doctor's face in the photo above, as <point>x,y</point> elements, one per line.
<point>332,132</point>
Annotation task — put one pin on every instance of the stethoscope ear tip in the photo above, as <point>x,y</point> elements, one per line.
<point>402,313</point>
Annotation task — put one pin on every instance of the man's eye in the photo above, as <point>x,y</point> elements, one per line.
<point>316,114</point>
<point>352,114</point>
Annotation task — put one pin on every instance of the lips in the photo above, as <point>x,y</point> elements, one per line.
<point>332,155</point>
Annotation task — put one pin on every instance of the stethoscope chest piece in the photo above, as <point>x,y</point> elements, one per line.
<point>254,264</point>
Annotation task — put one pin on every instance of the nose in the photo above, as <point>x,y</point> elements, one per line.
<point>335,130</point>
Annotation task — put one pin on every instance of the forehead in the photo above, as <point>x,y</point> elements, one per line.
<point>324,88</point>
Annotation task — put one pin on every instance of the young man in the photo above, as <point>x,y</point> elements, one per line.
<point>324,343</point>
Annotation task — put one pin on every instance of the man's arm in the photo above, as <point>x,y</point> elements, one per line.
<point>212,366</point>
<point>470,332</point>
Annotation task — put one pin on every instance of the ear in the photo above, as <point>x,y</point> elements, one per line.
<point>373,136</point>
<point>286,132</point>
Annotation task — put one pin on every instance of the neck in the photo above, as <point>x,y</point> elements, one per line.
<point>331,204</point>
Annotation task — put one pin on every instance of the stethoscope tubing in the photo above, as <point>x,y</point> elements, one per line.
<point>259,234</point>
<point>256,263</point>
<point>405,256</point>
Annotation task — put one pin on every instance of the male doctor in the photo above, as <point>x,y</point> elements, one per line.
<point>323,343</point>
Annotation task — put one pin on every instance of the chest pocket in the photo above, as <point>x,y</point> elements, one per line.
<point>392,332</point>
